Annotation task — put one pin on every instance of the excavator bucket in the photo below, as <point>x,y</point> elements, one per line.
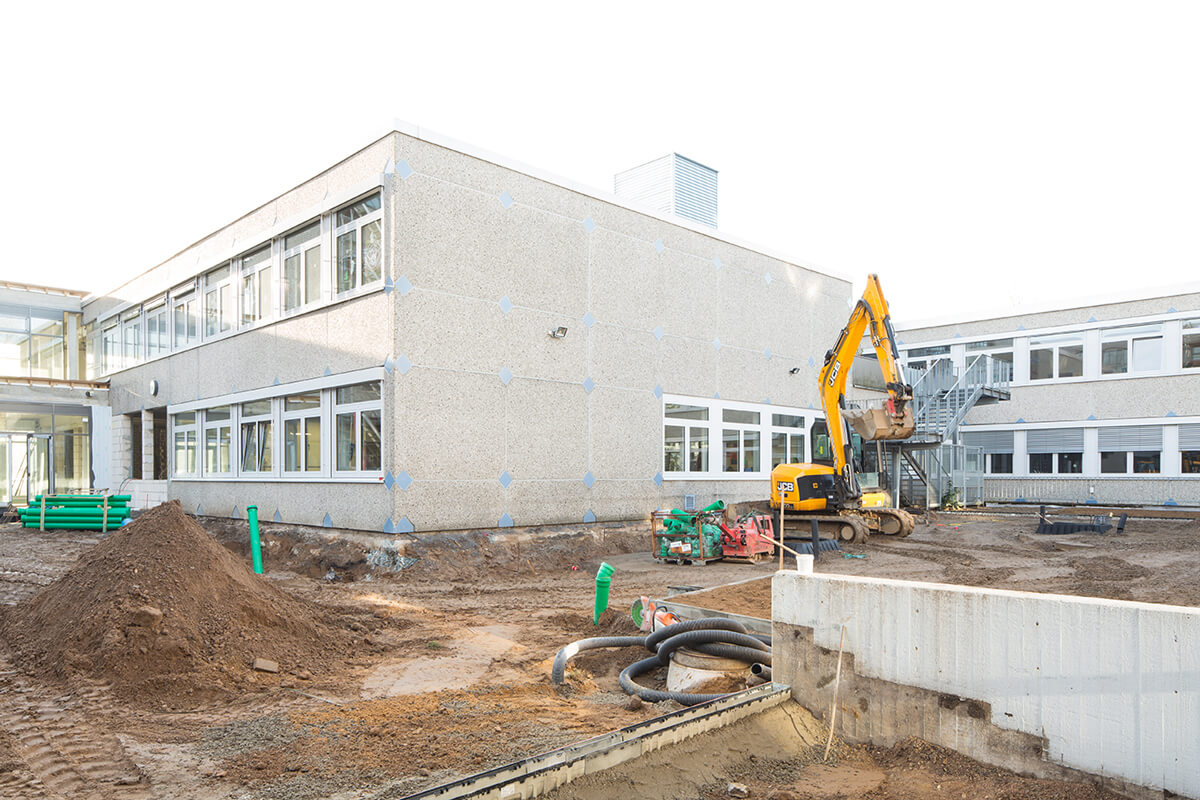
<point>876,423</point>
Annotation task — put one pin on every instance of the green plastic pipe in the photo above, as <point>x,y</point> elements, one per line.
<point>75,525</point>
<point>255,543</point>
<point>717,506</point>
<point>603,581</point>
<point>84,498</point>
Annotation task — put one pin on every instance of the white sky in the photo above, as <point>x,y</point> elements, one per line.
<point>977,156</point>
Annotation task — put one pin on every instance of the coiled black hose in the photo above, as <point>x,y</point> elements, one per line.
<point>690,638</point>
<point>558,672</point>
<point>706,624</point>
<point>716,636</point>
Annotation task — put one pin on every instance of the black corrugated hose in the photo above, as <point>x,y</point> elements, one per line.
<point>713,635</point>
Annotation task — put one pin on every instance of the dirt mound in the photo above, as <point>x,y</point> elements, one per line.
<point>613,622</point>
<point>168,616</point>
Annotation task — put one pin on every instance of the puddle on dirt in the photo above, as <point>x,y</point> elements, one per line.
<point>471,654</point>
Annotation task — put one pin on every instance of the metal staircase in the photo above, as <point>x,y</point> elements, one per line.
<point>930,469</point>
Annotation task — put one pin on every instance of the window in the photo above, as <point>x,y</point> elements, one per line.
<point>358,432</point>
<point>302,267</point>
<point>131,336</point>
<point>685,446</point>
<point>256,436</point>
<point>1041,463</point>
<point>1001,351</point>
<point>741,445</point>
<point>1189,462</point>
<point>1131,349</point>
<point>822,451</point>
<point>157,342</point>
<point>186,320</point>
<point>185,443</point>
<point>1070,463</point>
<point>926,352</point>
<point>1000,463</point>
<point>302,432</point>
<point>1055,357</point>
<point>1147,463</point>
<point>1130,448</point>
<point>217,441</point>
<point>1114,463</point>
<point>218,301</point>
<point>258,286</point>
<point>110,348</point>
<point>359,244</point>
<point>1191,343</point>
<point>787,445</point>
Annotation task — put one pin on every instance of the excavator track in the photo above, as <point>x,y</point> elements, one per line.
<point>849,527</point>
<point>890,521</point>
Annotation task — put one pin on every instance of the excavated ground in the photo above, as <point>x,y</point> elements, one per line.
<point>435,656</point>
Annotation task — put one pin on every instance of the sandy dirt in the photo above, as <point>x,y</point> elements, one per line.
<point>1151,562</point>
<point>446,665</point>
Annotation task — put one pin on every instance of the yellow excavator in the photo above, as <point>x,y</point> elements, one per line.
<point>831,494</point>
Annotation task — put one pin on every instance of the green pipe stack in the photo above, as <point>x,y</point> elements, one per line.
<point>83,512</point>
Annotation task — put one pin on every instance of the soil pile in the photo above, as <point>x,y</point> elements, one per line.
<point>167,615</point>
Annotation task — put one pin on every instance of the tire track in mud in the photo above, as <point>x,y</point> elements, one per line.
<point>54,752</point>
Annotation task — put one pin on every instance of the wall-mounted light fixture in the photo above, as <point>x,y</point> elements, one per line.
<point>794,371</point>
<point>558,333</point>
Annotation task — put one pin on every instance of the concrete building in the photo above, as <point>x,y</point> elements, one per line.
<point>427,337</point>
<point>1105,406</point>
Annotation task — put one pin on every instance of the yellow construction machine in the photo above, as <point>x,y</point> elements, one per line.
<point>831,494</point>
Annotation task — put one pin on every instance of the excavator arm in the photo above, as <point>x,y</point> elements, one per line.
<point>895,419</point>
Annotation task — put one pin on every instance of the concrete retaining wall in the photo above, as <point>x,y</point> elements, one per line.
<point>1110,687</point>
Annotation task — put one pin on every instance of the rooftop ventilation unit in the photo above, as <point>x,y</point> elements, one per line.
<point>672,185</point>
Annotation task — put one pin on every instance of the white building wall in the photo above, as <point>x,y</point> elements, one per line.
<point>1113,686</point>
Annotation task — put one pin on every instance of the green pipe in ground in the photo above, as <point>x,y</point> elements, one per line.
<point>255,543</point>
<point>603,581</point>
<point>73,515</point>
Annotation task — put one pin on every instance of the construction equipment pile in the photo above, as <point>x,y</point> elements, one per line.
<point>168,617</point>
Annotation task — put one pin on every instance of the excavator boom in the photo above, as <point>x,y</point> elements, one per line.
<point>895,419</point>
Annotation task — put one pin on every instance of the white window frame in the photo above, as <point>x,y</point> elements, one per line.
<point>688,425</point>
<point>252,298</point>
<point>187,303</point>
<point>216,425</point>
<point>300,250</point>
<point>133,345</point>
<point>356,410</point>
<point>1130,335</point>
<point>355,226</point>
<point>1188,327</point>
<point>226,293</point>
<point>320,413</point>
<point>176,430</point>
<point>157,312</point>
<point>269,419</point>
<point>111,346</point>
<point>716,443</point>
<point>790,432</point>
<point>1054,343</point>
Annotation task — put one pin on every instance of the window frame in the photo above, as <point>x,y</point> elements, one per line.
<point>356,410</point>
<point>225,290</point>
<point>715,424</point>
<point>689,426</point>
<point>356,226</point>
<point>1055,343</point>
<point>158,312</point>
<point>217,425</point>
<point>250,285</point>
<point>178,428</point>
<point>1130,335</point>
<point>1189,328</point>
<point>300,250</point>
<point>258,421</point>
<point>320,413</point>
<point>188,303</point>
